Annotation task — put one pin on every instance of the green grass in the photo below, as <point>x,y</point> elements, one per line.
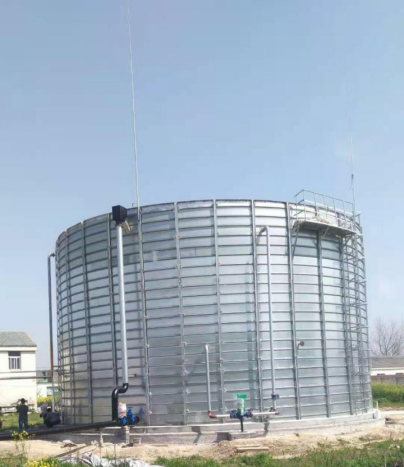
<point>11,462</point>
<point>390,405</point>
<point>388,395</point>
<point>388,454</point>
<point>10,421</point>
<point>383,454</point>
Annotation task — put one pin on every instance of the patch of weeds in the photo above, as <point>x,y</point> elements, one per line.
<point>382,454</point>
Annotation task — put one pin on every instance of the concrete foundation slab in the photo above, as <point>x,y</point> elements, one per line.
<point>216,432</point>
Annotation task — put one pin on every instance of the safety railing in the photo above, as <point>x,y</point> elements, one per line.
<point>319,208</point>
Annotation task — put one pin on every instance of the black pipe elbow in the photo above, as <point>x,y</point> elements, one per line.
<point>114,399</point>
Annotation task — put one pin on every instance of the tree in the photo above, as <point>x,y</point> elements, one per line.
<point>387,338</point>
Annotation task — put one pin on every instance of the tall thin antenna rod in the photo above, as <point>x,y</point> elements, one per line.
<point>351,155</point>
<point>133,114</point>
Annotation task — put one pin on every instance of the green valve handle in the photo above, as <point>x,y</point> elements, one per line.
<point>241,404</point>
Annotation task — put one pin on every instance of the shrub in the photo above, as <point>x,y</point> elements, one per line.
<point>44,400</point>
<point>45,462</point>
<point>47,400</point>
<point>388,393</point>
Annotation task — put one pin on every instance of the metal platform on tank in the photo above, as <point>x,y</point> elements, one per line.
<point>318,225</point>
<point>216,432</point>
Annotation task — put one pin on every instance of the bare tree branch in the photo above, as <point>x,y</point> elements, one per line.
<point>387,338</point>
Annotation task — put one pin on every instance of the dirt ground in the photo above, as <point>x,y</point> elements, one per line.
<point>279,446</point>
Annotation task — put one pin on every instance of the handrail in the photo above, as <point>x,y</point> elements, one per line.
<point>321,194</point>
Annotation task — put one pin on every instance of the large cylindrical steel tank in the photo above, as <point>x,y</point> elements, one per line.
<point>204,269</point>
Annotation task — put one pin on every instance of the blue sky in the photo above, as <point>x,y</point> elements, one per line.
<point>244,99</point>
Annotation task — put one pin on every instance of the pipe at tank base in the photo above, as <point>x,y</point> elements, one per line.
<point>213,415</point>
<point>52,255</point>
<point>114,399</point>
<point>271,413</point>
<point>241,417</point>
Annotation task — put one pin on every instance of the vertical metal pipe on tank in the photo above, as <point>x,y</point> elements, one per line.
<point>52,255</point>
<point>271,334</point>
<point>219,309</point>
<point>271,326</point>
<point>88,324</point>
<point>144,314</point>
<point>60,360</point>
<point>293,311</point>
<point>119,215</point>
<point>323,323</point>
<point>208,378</point>
<point>71,372</point>
<point>257,308</point>
<point>182,325</point>
<point>122,307</point>
<point>112,303</point>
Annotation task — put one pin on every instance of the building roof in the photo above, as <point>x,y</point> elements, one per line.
<point>387,362</point>
<point>15,339</point>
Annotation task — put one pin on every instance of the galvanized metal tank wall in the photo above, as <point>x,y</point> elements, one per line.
<point>201,286</point>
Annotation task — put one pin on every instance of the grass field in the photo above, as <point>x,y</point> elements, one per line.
<point>388,395</point>
<point>383,454</point>
<point>322,458</point>
<point>386,454</point>
<point>10,421</point>
<point>383,404</point>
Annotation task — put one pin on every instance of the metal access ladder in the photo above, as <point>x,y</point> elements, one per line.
<point>356,321</point>
<point>327,215</point>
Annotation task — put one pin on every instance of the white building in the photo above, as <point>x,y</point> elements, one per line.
<point>388,370</point>
<point>17,368</point>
